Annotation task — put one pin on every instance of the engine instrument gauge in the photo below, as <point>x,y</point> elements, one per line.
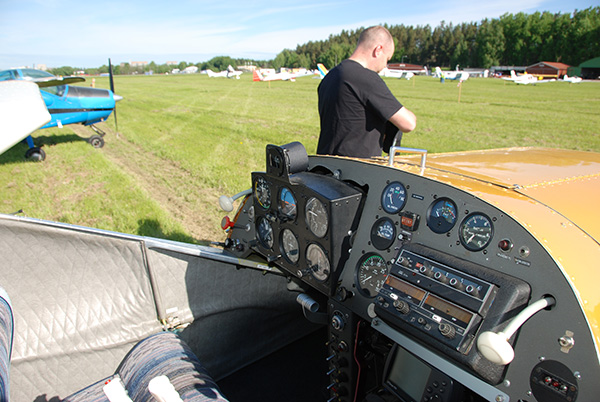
<point>262,193</point>
<point>476,232</point>
<point>383,233</point>
<point>317,262</point>
<point>287,204</point>
<point>316,217</point>
<point>442,215</point>
<point>393,197</point>
<point>289,246</point>
<point>264,231</point>
<point>371,274</point>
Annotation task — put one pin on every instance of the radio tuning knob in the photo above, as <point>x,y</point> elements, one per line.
<point>455,283</point>
<point>440,277</point>
<point>447,330</point>
<point>402,306</point>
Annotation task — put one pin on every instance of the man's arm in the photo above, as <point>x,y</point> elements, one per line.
<point>404,119</point>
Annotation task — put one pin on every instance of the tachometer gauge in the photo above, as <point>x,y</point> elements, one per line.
<point>287,203</point>
<point>393,197</point>
<point>262,193</point>
<point>317,262</point>
<point>289,246</point>
<point>370,274</point>
<point>383,233</point>
<point>316,217</point>
<point>476,232</point>
<point>264,231</point>
<point>442,215</point>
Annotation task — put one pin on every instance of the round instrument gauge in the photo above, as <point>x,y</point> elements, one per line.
<point>289,246</point>
<point>371,274</point>
<point>287,203</point>
<point>476,232</point>
<point>393,197</point>
<point>264,231</point>
<point>317,262</point>
<point>316,217</point>
<point>383,233</point>
<point>442,214</point>
<point>262,193</point>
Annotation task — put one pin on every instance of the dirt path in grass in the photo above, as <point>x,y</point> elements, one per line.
<point>196,208</point>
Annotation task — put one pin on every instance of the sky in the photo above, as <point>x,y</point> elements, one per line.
<point>86,33</point>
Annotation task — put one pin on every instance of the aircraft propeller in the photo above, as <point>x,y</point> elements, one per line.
<point>112,88</point>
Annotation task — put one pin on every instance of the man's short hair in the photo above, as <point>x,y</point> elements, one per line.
<point>374,35</point>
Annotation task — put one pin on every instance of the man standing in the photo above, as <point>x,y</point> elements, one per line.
<point>356,108</point>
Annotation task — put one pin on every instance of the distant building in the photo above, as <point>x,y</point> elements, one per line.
<point>172,63</point>
<point>190,70</point>
<point>505,70</point>
<point>414,68</point>
<point>548,69</point>
<point>138,63</point>
<point>590,69</point>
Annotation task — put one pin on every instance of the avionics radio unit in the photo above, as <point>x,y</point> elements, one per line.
<point>443,302</point>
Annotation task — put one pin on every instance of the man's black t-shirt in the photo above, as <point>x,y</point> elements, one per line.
<point>354,107</point>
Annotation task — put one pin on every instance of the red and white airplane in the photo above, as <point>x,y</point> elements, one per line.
<point>283,76</point>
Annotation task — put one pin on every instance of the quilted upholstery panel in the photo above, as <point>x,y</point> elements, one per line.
<point>93,302</point>
<point>241,310</point>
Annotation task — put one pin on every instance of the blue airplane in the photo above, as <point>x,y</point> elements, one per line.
<point>68,104</point>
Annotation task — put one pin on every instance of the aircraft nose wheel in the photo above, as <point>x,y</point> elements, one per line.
<point>35,154</point>
<point>96,141</point>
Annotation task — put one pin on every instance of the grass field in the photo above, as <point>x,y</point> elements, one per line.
<point>186,139</point>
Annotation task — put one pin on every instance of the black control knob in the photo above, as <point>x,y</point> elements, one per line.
<point>472,290</point>
<point>402,306</point>
<point>447,330</point>
<point>337,322</point>
<point>425,270</point>
<point>455,283</point>
<point>440,277</point>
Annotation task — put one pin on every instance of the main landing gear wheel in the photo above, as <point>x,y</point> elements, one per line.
<point>35,154</point>
<point>96,141</point>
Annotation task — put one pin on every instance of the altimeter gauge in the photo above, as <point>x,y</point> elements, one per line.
<point>316,217</point>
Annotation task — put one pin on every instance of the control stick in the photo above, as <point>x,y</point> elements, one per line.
<point>495,347</point>
<point>226,202</point>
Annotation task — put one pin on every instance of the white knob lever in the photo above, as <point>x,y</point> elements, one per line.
<point>495,347</point>
<point>226,202</point>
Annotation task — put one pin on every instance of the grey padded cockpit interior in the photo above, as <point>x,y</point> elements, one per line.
<point>82,298</point>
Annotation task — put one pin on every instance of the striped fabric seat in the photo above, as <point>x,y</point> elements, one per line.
<point>6,338</point>
<point>161,354</point>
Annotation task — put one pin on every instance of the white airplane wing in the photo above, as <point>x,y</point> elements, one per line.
<point>22,111</point>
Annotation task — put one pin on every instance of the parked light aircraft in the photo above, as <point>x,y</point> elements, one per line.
<point>67,104</point>
<point>460,277</point>
<point>229,73</point>
<point>451,75</point>
<point>284,76</point>
<point>407,75</point>
<point>525,79</point>
<point>572,80</point>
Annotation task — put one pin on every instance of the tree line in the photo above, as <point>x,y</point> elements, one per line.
<point>513,39</point>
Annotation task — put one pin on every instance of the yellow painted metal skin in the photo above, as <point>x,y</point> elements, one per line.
<point>553,193</point>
